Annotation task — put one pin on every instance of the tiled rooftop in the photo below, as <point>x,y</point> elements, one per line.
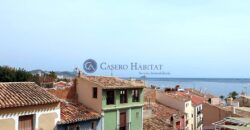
<point>114,82</point>
<point>156,124</point>
<point>186,95</point>
<point>178,95</point>
<point>161,115</point>
<point>76,112</point>
<point>199,93</point>
<point>197,100</point>
<point>18,94</point>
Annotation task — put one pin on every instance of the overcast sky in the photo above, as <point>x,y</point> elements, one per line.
<point>191,38</point>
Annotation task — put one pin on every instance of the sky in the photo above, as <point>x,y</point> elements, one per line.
<point>191,38</point>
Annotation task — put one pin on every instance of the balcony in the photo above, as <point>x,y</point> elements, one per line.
<point>199,112</point>
<point>199,123</point>
<point>126,127</point>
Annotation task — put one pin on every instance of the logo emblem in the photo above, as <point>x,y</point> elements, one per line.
<point>90,66</point>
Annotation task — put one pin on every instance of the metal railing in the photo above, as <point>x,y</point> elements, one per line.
<point>199,123</point>
<point>199,112</point>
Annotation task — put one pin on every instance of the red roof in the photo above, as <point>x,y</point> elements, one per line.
<point>76,112</point>
<point>161,115</point>
<point>114,82</point>
<point>18,94</point>
<point>197,100</point>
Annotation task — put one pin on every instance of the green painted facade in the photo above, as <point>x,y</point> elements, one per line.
<point>117,104</point>
<point>136,119</point>
<point>110,119</point>
<point>132,109</point>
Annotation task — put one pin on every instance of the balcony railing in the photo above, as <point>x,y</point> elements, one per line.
<point>128,125</point>
<point>199,112</point>
<point>199,123</point>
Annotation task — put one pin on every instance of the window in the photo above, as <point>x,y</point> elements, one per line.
<point>93,125</point>
<point>95,92</point>
<point>123,96</point>
<point>26,122</point>
<point>110,97</point>
<point>74,127</point>
<point>135,95</point>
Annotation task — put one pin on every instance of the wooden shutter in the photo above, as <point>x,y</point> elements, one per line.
<point>26,122</point>
<point>123,119</point>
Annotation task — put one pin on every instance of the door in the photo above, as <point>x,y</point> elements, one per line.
<point>123,120</point>
<point>26,122</point>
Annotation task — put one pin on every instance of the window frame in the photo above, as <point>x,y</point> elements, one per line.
<point>27,116</point>
<point>93,125</point>
<point>135,95</point>
<point>107,97</point>
<point>74,127</point>
<point>95,92</point>
<point>123,96</point>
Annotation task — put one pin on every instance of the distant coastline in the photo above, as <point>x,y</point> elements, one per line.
<point>237,80</point>
<point>215,86</point>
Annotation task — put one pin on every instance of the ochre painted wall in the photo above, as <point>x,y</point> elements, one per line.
<point>84,90</point>
<point>212,114</point>
<point>7,124</point>
<point>47,121</point>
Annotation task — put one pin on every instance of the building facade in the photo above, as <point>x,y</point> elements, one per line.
<point>197,103</point>
<point>25,106</point>
<point>181,103</point>
<point>119,101</point>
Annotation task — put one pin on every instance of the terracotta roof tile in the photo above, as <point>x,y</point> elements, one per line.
<point>178,95</point>
<point>197,100</point>
<point>114,82</point>
<point>76,112</point>
<point>156,124</point>
<point>18,94</point>
<point>161,117</point>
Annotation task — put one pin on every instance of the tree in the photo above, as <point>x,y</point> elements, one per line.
<point>52,75</point>
<point>222,97</point>
<point>23,75</point>
<point>9,74</point>
<point>233,95</point>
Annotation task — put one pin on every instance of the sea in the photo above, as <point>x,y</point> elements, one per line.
<point>214,86</point>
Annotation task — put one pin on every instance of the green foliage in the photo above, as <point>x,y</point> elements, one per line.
<point>53,75</point>
<point>233,95</point>
<point>64,79</point>
<point>9,74</point>
<point>222,97</point>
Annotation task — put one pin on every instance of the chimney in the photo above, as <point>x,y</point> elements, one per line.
<point>177,87</point>
<point>233,110</point>
<point>80,74</point>
<point>229,101</point>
